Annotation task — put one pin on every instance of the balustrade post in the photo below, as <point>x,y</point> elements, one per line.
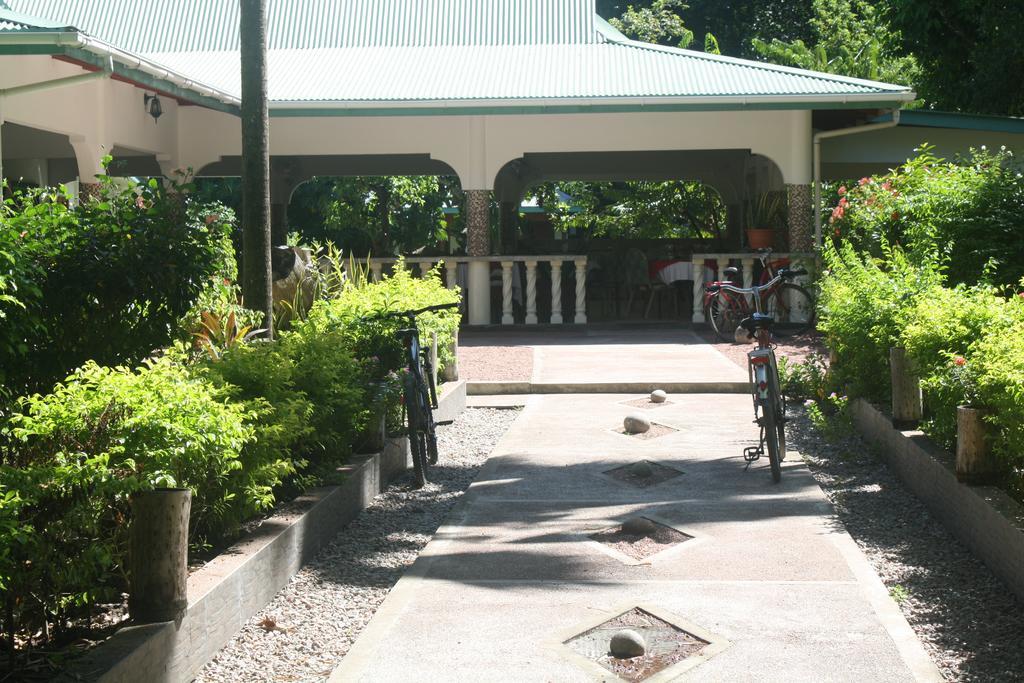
<point>506,293</point>
<point>748,272</point>
<point>531,292</point>
<point>451,273</point>
<point>698,291</point>
<point>556,293</point>
<point>581,291</point>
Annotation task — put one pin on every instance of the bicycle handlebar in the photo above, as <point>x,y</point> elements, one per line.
<point>784,274</point>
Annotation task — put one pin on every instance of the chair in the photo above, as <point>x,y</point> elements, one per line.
<point>637,279</point>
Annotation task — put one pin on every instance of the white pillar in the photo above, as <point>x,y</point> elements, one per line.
<point>506,293</point>
<point>1,148</point>
<point>531,292</point>
<point>698,290</point>
<point>556,292</point>
<point>479,285</point>
<point>581,291</point>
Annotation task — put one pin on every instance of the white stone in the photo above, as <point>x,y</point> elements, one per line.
<point>658,396</point>
<point>635,424</point>
<point>627,643</point>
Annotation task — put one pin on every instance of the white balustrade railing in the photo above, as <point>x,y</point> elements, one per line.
<point>746,262</point>
<point>513,289</point>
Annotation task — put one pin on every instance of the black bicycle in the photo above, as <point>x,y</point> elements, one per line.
<point>419,392</point>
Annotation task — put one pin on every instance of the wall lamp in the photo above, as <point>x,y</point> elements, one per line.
<point>153,106</point>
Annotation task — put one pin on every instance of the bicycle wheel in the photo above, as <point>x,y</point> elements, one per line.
<point>780,419</point>
<point>770,432</point>
<point>722,315</point>
<point>792,308</point>
<point>429,433</point>
<point>417,437</point>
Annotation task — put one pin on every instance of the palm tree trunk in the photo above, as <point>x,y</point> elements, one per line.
<point>256,272</point>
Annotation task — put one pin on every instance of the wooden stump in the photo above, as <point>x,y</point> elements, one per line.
<point>158,555</point>
<point>450,372</point>
<point>975,463</point>
<point>907,402</point>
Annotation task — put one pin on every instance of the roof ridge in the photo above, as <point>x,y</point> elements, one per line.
<point>7,14</point>
<point>753,64</point>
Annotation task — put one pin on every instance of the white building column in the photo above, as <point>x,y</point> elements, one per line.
<point>478,218</point>
<point>89,153</point>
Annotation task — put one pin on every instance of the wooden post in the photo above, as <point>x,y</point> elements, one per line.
<point>450,372</point>
<point>907,406</point>
<point>975,463</point>
<point>158,555</point>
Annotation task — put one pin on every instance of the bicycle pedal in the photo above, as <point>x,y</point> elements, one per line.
<point>752,453</point>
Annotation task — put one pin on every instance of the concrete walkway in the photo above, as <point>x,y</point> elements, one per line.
<point>770,577</point>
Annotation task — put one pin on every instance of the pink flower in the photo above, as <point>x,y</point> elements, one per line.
<point>844,202</point>
<point>842,190</point>
<point>864,181</point>
<point>960,361</point>
<point>838,213</point>
<point>887,186</point>
<point>140,203</point>
<point>211,218</point>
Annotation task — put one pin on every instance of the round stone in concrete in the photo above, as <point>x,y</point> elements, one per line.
<point>635,424</point>
<point>658,396</point>
<point>627,643</point>
<point>638,526</point>
<point>642,469</point>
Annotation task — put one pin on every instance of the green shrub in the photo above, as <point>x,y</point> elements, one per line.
<point>107,281</point>
<point>997,363</point>
<point>807,380</point>
<point>74,456</point>
<point>863,306</point>
<point>940,328</point>
<point>354,312</point>
<point>964,213</point>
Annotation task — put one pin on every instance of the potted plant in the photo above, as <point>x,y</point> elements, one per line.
<point>768,213</point>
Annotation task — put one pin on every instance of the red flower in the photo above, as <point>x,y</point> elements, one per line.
<point>887,186</point>
<point>844,202</point>
<point>842,190</point>
<point>838,213</point>
<point>960,361</point>
<point>864,181</point>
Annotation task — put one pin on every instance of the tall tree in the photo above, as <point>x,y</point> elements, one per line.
<point>851,38</point>
<point>257,280</point>
<point>972,52</point>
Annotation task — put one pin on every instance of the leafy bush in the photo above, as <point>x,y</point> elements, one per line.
<point>73,458</point>
<point>355,310</point>
<point>807,380</point>
<point>863,306</point>
<point>965,214</point>
<point>107,281</point>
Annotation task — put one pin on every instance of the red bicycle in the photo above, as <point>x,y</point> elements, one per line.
<point>789,305</point>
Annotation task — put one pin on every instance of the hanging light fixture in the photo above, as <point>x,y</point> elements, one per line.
<point>153,106</point>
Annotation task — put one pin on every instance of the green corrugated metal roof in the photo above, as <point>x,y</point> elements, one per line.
<point>550,72</point>
<point>145,26</point>
<point>450,52</point>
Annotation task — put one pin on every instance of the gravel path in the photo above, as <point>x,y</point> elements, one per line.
<point>306,630</point>
<point>969,622</point>
<point>496,363</point>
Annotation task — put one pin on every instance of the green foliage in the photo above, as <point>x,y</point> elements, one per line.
<point>73,457</point>
<point>967,48</point>
<point>830,415</point>
<point>862,309</point>
<point>656,22</point>
<point>108,280</point>
<point>636,209</point>
<point>354,312</point>
<point>807,380</point>
<point>379,215</point>
<point>850,38</point>
<point>965,214</point>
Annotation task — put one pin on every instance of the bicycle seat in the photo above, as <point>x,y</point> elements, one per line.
<point>758,321</point>
<point>730,273</point>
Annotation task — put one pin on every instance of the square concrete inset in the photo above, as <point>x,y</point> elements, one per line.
<point>671,645</point>
<point>643,474</point>
<point>638,539</point>
<point>645,403</point>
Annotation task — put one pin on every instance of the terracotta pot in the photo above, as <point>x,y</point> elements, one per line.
<point>760,238</point>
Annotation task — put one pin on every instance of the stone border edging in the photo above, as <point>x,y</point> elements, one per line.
<point>500,388</point>
<point>226,592</point>
<point>984,518</point>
